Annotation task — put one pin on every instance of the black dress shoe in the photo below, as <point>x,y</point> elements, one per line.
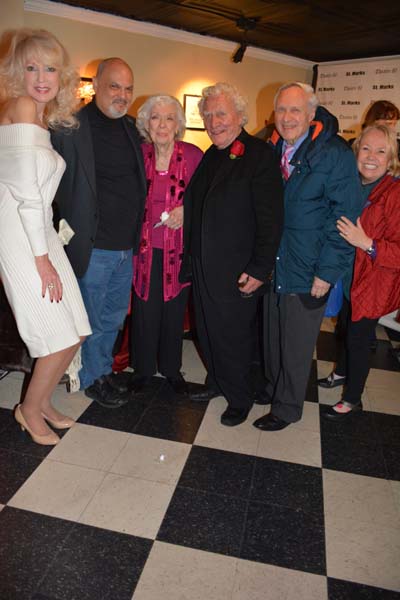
<point>105,395</point>
<point>270,422</point>
<point>119,381</point>
<point>330,382</point>
<point>333,415</point>
<point>178,384</point>
<point>234,416</point>
<point>262,397</point>
<point>205,394</point>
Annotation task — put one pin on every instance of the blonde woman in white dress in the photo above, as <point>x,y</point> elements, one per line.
<point>38,87</point>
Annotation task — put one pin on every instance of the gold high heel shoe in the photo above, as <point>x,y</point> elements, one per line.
<point>50,439</point>
<point>64,423</point>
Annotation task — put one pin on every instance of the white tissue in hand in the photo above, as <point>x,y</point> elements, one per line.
<point>164,216</point>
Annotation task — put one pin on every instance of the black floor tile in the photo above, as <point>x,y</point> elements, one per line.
<point>204,521</point>
<point>383,358</point>
<point>287,484</point>
<point>284,537</point>
<point>387,427</point>
<point>176,423</point>
<point>391,455</point>
<point>28,544</point>
<point>347,590</point>
<point>15,468</point>
<point>166,396</point>
<point>312,386</point>
<point>218,471</point>
<point>327,346</point>
<point>353,455</point>
<point>124,418</point>
<point>13,439</point>
<point>96,564</point>
<point>361,425</point>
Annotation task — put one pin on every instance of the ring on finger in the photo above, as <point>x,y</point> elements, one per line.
<point>51,286</point>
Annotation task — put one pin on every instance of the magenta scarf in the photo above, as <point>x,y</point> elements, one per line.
<point>173,238</point>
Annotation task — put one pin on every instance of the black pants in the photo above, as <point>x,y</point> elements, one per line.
<point>157,327</point>
<point>354,357</point>
<point>227,334</point>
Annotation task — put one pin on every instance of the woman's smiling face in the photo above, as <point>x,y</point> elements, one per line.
<point>373,156</point>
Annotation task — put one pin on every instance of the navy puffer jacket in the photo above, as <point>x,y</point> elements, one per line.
<point>323,186</point>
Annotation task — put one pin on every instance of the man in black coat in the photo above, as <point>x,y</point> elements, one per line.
<point>232,227</point>
<point>101,196</point>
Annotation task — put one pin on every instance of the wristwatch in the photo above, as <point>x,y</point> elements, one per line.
<point>370,251</point>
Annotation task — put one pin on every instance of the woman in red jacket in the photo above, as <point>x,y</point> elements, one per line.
<point>375,289</point>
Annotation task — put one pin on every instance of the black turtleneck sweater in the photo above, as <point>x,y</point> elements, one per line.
<point>116,181</point>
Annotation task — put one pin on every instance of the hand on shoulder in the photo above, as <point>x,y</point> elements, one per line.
<point>19,110</point>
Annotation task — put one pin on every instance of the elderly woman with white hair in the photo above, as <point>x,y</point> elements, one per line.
<point>159,300</point>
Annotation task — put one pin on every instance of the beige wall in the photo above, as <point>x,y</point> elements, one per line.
<point>11,14</point>
<point>176,68</point>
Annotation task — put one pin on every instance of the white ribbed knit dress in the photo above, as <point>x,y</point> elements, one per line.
<point>30,171</point>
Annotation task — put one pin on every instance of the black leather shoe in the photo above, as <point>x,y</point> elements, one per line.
<point>330,382</point>
<point>119,381</point>
<point>333,415</point>
<point>178,384</point>
<point>105,395</point>
<point>205,394</point>
<point>262,397</point>
<point>233,416</point>
<point>270,422</point>
<point>138,382</point>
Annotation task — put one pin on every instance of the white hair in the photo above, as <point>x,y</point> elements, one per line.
<point>230,91</point>
<point>144,112</point>
<point>307,89</point>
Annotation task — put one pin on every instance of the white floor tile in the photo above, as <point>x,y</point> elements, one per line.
<point>152,459</point>
<point>255,581</point>
<point>180,573</point>
<point>292,445</point>
<point>129,505</point>
<point>89,446</point>
<point>243,438</point>
<point>384,401</point>
<point>362,552</point>
<point>360,498</point>
<point>58,490</point>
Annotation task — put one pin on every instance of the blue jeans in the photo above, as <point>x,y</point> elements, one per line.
<point>105,289</point>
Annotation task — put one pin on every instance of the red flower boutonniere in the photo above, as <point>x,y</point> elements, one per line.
<point>237,150</point>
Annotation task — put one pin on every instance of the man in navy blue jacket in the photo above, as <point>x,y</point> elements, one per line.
<point>321,185</point>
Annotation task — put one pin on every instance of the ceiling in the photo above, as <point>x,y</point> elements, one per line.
<point>314,30</point>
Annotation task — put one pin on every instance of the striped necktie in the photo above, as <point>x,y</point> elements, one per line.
<point>285,162</point>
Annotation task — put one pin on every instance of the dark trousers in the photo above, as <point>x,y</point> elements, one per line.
<point>226,332</point>
<point>157,327</point>
<point>290,334</point>
<point>354,357</point>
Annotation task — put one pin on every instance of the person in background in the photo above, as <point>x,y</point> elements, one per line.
<point>375,288</point>
<point>382,112</point>
<point>102,196</point>
<point>159,300</point>
<point>321,185</point>
<point>232,227</point>
<point>38,87</point>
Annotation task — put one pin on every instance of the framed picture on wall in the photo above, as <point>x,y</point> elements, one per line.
<point>193,118</point>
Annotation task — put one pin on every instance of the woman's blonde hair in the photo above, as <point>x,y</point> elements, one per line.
<point>394,164</point>
<point>42,46</point>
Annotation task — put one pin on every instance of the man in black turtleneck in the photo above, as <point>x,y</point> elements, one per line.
<point>102,196</point>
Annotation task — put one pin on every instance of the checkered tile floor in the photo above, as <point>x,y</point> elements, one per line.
<point>158,500</point>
